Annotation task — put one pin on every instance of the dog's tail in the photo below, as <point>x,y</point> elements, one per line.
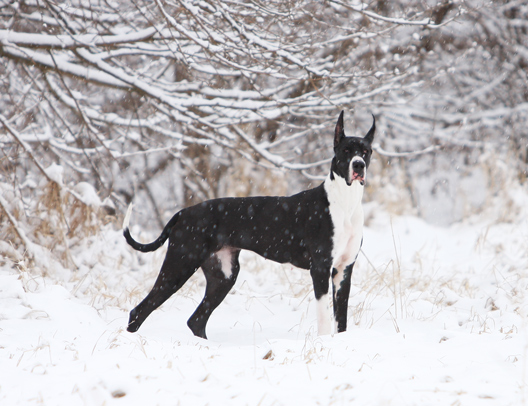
<point>153,246</point>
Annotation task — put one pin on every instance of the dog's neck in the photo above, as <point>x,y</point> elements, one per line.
<point>341,196</point>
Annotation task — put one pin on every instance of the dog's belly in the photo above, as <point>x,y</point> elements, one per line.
<point>297,255</point>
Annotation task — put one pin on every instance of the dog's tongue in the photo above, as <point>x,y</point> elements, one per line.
<point>356,176</point>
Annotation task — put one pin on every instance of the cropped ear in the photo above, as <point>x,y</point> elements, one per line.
<point>370,135</point>
<point>339,130</point>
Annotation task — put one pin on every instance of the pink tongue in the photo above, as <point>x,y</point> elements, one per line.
<point>357,176</point>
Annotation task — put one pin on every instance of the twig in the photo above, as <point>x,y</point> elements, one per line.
<point>29,151</point>
<point>399,21</point>
<point>14,223</point>
<point>276,159</point>
<point>428,150</point>
<point>25,146</point>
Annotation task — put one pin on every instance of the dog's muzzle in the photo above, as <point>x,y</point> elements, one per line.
<point>357,171</point>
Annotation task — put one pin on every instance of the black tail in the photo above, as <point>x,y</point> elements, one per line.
<point>153,246</point>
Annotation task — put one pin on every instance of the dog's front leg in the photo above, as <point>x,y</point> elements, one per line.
<point>341,287</point>
<point>321,282</point>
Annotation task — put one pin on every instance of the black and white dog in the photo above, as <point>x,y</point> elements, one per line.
<point>319,229</point>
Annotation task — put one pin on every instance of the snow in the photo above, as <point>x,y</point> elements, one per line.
<point>88,194</point>
<point>437,316</point>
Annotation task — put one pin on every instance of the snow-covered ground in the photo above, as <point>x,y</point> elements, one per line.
<point>437,316</point>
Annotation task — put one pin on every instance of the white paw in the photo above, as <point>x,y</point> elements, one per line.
<point>325,318</point>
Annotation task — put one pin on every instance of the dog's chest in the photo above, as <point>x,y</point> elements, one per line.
<point>346,213</point>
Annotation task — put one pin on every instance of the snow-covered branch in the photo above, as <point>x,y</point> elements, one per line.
<point>74,41</point>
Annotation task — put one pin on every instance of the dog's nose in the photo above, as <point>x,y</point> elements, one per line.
<point>358,166</point>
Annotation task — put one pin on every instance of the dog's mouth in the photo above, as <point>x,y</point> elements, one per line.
<point>356,176</point>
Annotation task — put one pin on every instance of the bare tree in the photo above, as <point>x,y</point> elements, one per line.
<point>163,98</point>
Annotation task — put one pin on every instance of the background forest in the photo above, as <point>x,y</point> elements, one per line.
<point>167,103</point>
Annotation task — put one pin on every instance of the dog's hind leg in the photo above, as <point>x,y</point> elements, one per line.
<point>221,271</point>
<point>175,271</point>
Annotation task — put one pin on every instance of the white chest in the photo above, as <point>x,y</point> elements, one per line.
<point>347,218</point>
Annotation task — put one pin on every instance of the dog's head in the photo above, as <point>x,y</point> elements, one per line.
<point>352,154</point>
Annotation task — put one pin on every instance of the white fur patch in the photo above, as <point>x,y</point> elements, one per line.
<point>325,318</point>
<point>338,278</point>
<point>225,257</point>
<point>347,218</point>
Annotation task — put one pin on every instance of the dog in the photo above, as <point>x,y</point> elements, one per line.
<point>319,229</point>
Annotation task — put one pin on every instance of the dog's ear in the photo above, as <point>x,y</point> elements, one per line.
<point>339,130</point>
<point>370,135</point>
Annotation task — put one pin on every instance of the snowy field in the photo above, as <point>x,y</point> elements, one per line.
<point>437,316</point>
